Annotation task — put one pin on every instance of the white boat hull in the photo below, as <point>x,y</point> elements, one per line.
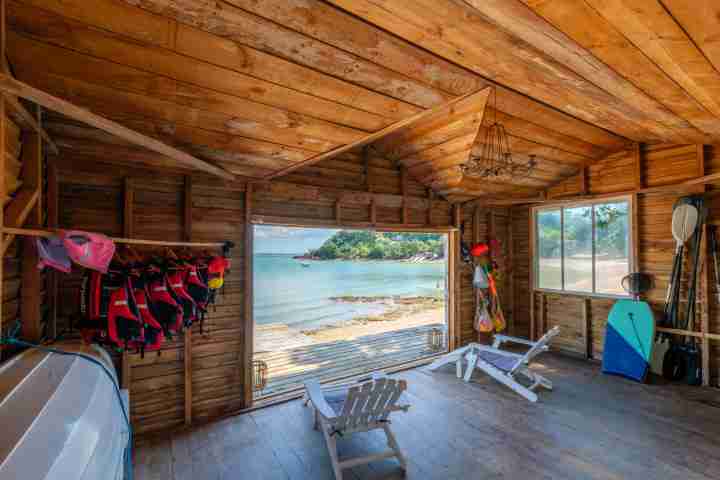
<point>61,417</point>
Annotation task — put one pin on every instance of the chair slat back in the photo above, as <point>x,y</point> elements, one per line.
<point>370,403</point>
<point>538,348</point>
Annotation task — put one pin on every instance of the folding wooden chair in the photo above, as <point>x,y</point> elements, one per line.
<point>360,407</point>
<point>502,365</point>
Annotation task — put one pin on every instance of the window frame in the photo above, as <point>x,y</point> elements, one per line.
<point>584,203</point>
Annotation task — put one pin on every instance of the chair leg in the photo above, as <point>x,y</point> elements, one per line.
<point>332,450</point>
<point>508,381</point>
<point>472,360</point>
<point>393,444</point>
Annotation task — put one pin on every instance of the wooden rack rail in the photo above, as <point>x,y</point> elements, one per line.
<point>135,241</point>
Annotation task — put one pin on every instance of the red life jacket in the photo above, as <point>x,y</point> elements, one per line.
<point>108,312</point>
<point>154,336</point>
<point>196,286</point>
<point>176,286</point>
<point>165,309</point>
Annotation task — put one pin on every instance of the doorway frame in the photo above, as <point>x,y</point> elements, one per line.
<point>451,309</point>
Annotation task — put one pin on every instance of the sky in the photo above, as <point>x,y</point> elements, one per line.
<point>289,240</point>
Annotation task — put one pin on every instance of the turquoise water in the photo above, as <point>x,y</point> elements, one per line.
<point>288,293</point>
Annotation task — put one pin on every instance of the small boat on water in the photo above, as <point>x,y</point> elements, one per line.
<point>61,416</point>
<point>305,265</point>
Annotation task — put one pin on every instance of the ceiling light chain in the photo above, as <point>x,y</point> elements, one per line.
<point>495,159</point>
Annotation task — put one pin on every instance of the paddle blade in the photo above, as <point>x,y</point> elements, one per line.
<point>684,222</point>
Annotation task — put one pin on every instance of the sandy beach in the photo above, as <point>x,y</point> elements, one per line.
<point>399,313</point>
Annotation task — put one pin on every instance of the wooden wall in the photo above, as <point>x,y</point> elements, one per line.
<point>127,200</point>
<point>649,172</point>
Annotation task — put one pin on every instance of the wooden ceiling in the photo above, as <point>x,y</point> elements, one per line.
<point>260,88</point>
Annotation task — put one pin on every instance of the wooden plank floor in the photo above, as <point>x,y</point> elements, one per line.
<point>289,368</point>
<point>591,426</point>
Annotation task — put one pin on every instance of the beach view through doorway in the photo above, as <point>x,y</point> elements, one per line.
<point>332,303</point>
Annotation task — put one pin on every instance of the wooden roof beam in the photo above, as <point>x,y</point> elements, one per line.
<point>479,98</point>
<point>15,87</point>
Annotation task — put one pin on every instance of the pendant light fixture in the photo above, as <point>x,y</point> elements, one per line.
<point>495,160</point>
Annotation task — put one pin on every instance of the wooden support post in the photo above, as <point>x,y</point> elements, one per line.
<point>187,208</point>
<point>583,181</point>
<point>3,152</point>
<point>586,329</point>
<point>366,168</point>
<point>531,280</point>
<point>187,344</point>
<point>453,320</point>
<point>705,260</point>
<point>373,212</point>
<point>637,166</point>
<point>128,199</point>
<point>52,203</point>
<point>510,272</point>
<point>705,306</point>
<point>248,320</point>
<point>30,308</point>
<point>431,198</point>
<point>338,212</point>
<point>476,225</point>
<point>541,324</point>
<point>457,223</point>
<point>404,192</point>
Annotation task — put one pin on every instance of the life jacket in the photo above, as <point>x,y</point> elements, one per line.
<point>154,336</point>
<point>196,286</point>
<point>125,327</point>
<point>176,286</point>
<point>109,313</point>
<point>167,312</point>
<point>216,272</point>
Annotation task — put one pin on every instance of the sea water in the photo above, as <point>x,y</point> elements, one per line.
<point>288,293</point>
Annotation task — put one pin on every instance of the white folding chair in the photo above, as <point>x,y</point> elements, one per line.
<point>360,407</point>
<point>502,365</point>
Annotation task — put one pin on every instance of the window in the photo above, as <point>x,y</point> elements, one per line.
<point>583,248</point>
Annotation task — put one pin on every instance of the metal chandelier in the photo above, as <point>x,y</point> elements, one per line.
<point>495,159</point>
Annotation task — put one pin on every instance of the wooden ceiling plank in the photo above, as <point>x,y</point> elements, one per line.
<point>272,123</point>
<point>462,35</point>
<point>53,28</point>
<point>648,26</point>
<point>335,27</point>
<point>230,22</point>
<point>239,147</point>
<point>123,106</point>
<point>473,102</point>
<point>606,43</point>
<point>521,21</point>
<point>225,53</point>
<point>16,87</point>
<point>323,22</point>
<point>700,19</point>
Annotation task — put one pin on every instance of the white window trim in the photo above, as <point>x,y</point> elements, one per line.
<point>561,206</point>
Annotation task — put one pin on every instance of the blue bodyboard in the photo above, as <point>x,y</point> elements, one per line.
<point>629,340</point>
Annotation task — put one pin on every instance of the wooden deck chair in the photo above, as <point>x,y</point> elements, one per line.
<point>360,407</point>
<point>503,366</point>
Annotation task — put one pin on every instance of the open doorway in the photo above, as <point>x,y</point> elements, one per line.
<point>332,303</point>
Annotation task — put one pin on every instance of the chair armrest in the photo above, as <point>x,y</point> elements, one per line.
<point>315,394</point>
<point>500,339</point>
